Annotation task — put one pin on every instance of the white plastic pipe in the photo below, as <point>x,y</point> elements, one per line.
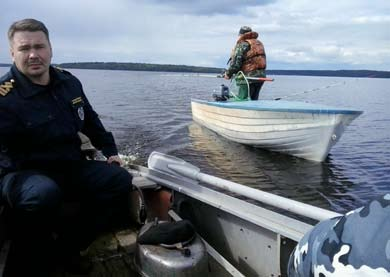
<point>264,197</point>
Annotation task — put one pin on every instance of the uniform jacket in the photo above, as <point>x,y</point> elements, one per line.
<point>248,56</point>
<point>5,167</point>
<point>41,123</point>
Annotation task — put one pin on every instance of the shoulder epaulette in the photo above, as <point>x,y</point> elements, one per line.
<point>60,69</point>
<point>6,87</point>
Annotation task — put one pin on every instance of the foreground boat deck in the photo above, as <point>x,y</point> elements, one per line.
<point>239,238</point>
<point>112,254</point>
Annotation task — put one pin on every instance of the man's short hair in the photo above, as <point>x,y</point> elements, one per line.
<point>28,24</point>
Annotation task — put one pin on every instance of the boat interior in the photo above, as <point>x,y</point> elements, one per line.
<point>231,237</point>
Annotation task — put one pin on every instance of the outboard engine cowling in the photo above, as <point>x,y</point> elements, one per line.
<point>170,249</point>
<point>224,94</point>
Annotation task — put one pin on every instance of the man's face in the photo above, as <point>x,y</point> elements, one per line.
<point>31,52</point>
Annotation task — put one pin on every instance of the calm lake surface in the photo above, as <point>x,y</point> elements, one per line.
<point>150,111</point>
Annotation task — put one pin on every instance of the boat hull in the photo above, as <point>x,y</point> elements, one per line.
<point>295,128</point>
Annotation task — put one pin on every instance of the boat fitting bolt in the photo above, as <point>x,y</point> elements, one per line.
<point>186,252</point>
<point>334,137</point>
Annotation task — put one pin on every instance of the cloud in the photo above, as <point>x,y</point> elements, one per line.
<point>207,7</point>
<point>385,19</point>
<point>299,33</point>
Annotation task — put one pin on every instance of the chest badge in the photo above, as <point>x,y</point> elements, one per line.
<point>80,112</point>
<point>78,104</point>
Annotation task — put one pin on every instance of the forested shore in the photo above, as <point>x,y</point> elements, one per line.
<point>218,71</point>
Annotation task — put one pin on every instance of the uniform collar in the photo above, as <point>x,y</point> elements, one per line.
<point>27,88</point>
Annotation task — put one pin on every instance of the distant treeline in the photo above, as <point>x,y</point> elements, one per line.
<point>199,69</point>
<point>333,73</point>
<point>141,67</point>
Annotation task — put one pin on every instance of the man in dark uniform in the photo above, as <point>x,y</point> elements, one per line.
<point>42,110</point>
<point>248,56</point>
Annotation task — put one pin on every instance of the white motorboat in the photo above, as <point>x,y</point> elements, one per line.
<point>300,129</point>
<point>233,237</point>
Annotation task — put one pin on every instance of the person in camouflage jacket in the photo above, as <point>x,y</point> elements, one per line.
<point>355,244</point>
<point>248,56</point>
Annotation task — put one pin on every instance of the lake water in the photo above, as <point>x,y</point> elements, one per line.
<point>150,111</point>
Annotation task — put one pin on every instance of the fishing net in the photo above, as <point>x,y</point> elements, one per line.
<point>239,87</point>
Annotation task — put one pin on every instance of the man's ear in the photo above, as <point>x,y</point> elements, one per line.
<point>11,51</point>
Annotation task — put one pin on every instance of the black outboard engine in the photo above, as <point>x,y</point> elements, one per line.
<point>224,94</point>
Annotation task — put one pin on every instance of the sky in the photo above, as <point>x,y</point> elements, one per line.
<point>297,34</point>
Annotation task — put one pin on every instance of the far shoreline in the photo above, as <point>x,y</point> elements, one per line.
<point>218,71</point>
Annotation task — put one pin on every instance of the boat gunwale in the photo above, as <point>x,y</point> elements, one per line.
<point>317,108</point>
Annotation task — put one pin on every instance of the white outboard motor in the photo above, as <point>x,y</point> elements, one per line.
<point>170,249</point>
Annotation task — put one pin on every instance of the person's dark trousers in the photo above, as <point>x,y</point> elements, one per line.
<point>102,190</point>
<point>254,90</point>
<point>35,197</point>
<point>31,203</point>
